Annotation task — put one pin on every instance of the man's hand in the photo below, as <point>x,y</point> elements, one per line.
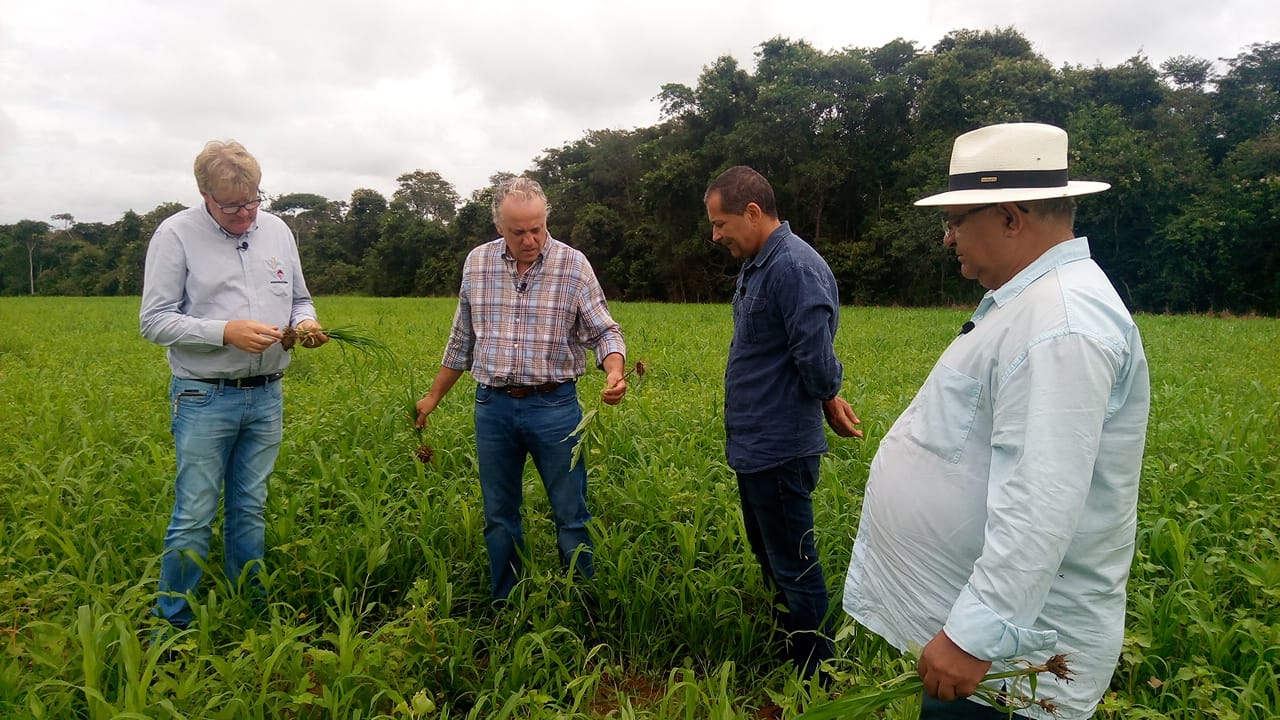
<point>615,378</point>
<point>440,387</point>
<point>311,339</point>
<point>615,386</point>
<point>841,418</point>
<point>250,335</point>
<point>425,406</point>
<point>948,672</point>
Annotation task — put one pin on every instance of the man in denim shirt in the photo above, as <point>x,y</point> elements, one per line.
<point>782,377</point>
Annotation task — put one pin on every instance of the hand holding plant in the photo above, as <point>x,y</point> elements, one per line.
<point>867,703</point>
<point>417,413</point>
<point>585,430</point>
<point>309,334</point>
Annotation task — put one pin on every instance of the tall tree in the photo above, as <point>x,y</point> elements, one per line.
<point>427,195</point>
<point>297,203</point>
<point>391,264</point>
<point>1248,95</point>
<point>30,233</point>
<point>360,227</point>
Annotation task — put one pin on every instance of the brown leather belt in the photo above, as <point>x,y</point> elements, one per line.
<point>524,391</point>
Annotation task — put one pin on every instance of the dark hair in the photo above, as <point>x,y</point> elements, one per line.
<point>740,185</point>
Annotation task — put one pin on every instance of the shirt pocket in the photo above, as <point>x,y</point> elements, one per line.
<point>749,316</point>
<point>277,277</point>
<point>944,411</point>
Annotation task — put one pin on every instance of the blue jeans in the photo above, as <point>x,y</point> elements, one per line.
<point>227,440</point>
<point>507,430</point>
<point>777,512</point>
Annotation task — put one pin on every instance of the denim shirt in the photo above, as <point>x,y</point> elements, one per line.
<point>782,364</point>
<point>1001,506</point>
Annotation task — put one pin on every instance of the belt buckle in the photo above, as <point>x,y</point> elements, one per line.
<point>519,392</point>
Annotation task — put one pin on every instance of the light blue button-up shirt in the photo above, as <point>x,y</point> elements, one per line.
<point>1001,506</point>
<point>198,277</point>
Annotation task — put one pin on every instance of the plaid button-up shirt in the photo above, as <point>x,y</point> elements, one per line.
<point>513,329</point>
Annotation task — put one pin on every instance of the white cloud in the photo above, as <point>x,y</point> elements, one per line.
<point>105,105</point>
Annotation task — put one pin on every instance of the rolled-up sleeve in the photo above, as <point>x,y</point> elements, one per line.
<point>597,328</point>
<point>459,351</point>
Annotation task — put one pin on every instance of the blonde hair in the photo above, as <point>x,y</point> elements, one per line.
<point>228,168</point>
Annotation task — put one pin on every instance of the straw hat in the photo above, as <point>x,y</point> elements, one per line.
<point>1008,163</point>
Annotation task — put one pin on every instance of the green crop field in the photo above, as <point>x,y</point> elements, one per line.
<point>376,567</point>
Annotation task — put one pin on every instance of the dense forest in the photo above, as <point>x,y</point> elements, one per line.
<point>849,139</point>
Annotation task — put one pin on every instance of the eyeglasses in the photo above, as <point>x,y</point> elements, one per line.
<point>233,208</point>
<point>951,222</point>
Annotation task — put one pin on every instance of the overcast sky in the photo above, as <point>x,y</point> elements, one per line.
<point>104,105</point>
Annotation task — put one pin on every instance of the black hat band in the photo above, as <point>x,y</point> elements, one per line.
<point>1005,179</point>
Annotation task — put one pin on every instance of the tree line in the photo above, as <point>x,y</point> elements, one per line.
<point>849,139</point>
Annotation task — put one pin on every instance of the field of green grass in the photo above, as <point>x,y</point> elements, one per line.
<point>376,567</point>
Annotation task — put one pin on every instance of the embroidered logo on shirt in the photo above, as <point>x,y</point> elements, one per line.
<point>277,270</point>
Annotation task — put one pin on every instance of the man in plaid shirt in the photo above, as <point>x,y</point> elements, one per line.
<point>528,308</point>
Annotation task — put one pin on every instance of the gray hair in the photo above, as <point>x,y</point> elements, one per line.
<point>522,189</point>
<point>1059,208</point>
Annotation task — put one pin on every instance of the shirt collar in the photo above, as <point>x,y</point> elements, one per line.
<point>771,244</point>
<point>1058,255</point>
<point>542,254</point>
<point>218,228</point>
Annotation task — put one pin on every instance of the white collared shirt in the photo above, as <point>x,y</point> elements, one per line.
<point>1002,503</point>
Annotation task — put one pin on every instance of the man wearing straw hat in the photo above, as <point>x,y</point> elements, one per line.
<point>1000,512</point>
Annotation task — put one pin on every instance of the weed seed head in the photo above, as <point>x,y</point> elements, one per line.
<point>1058,666</point>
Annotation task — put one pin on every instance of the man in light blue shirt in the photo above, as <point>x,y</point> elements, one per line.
<point>1000,513</point>
<point>222,285</point>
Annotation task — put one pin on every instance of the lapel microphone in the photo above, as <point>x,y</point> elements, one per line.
<point>244,245</point>
<point>966,327</point>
